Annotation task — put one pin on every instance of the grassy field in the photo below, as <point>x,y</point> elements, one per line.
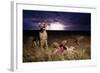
<point>35,54</point>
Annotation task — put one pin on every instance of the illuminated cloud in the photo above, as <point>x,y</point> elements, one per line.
<point>56,26</point>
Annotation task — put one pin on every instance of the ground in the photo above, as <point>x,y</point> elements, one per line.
<point>82,51</point>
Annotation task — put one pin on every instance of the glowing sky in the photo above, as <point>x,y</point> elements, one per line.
<point>57,20</point>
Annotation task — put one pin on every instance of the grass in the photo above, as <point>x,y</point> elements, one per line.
<point>36,55</point>
<point>81,52</point>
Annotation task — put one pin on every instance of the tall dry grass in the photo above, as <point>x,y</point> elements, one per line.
<point>81,52</point>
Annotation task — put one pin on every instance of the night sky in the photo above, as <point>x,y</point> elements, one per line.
<point>69,21</point>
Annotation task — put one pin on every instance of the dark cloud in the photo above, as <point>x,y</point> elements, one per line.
<point>76,21</point>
